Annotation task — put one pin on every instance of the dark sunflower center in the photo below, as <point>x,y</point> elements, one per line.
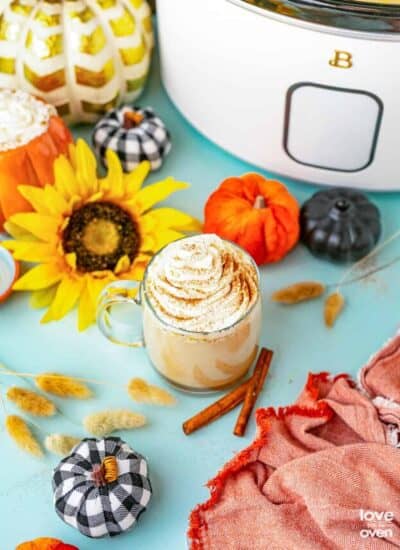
<point>100,234</point>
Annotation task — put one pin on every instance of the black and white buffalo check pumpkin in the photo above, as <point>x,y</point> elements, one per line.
<point>105,508</point>
<point>148,140</point>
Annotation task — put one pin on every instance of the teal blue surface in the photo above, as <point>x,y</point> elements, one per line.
<point>180,465</point>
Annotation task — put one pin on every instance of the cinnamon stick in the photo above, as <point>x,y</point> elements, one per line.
<point>253,390</point>
<point>217,409</point>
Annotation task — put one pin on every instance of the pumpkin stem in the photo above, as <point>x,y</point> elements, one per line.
<point>110,467</point>
<point>98,475</point>
<point>259,202</point>
<point>132,119</point>
<point>106,472</point>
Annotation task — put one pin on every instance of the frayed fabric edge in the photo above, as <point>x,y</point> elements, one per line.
<point>197,526</point>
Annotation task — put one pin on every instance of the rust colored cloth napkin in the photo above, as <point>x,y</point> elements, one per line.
<point>323,474</point>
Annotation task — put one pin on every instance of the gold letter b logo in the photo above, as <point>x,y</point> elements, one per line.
<point>341,60</point>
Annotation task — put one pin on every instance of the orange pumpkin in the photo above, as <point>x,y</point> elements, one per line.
<point>258,214</point>
<point>31,163</point>
<point>45,543</point>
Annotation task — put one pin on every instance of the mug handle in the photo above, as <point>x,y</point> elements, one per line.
<point>117,296</point>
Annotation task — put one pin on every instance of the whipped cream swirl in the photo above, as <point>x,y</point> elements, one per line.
<point>202,284</point>
<point>22,118</point>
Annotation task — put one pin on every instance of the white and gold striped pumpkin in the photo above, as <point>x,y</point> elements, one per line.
<point>83,56</point>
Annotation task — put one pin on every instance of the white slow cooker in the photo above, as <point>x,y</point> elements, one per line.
<point>306,88</point>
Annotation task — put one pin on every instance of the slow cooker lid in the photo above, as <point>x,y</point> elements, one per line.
<point>382,16</point>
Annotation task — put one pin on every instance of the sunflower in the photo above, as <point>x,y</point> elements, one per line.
<point>86,231</point>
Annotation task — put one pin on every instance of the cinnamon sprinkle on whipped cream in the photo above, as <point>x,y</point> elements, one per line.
<point>22,118</point>
<point>202,284</point>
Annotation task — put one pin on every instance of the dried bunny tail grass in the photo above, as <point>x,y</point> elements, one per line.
<point>60,444</point>
<point>31,402</point>
<point>103,423</point>
<point>62,386</point>
<point>365,260</point>
<point>334,305</point>
<point>19,431</point>
<point>143,392</point>
<point>299,292</point>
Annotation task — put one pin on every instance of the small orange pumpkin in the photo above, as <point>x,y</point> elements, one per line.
<point>45,543</point>
<point>30,163</point>
<point>258,214</point>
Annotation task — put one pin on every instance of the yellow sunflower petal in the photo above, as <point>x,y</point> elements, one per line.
<point>122,265</point>
<point>86,168</point>
<point>148,241</point>
<point>136,270</point>
<point>39,277</point>
<point>134,180</point>
<point>46,200</point>
<point>65,179</point>
<point>42,298</point>
<point>154,242</point>
<point>172,218</point>
<point>148,223</point>
<point>96,197</point>
<point>30,251</point>
<point>105,274</point>
<point>42,227</point>
<point>86,314</point>
<point>86,310</point>
<point>74,203</point>
<point>142,258</point>
<point>55,201</point>
<point>166,236</point>
<point>156,192</point>
<point>18,232</point>
<point>95,286</point>
<point>88,301</point>
<point>36,197</point>
<point>66,297</point>
<point>114,181</point>
<point>71,259</point>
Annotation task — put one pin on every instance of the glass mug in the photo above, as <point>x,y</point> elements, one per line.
<point>189,360</point>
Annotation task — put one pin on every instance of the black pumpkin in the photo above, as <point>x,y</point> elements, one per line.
<point>340,224</point>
